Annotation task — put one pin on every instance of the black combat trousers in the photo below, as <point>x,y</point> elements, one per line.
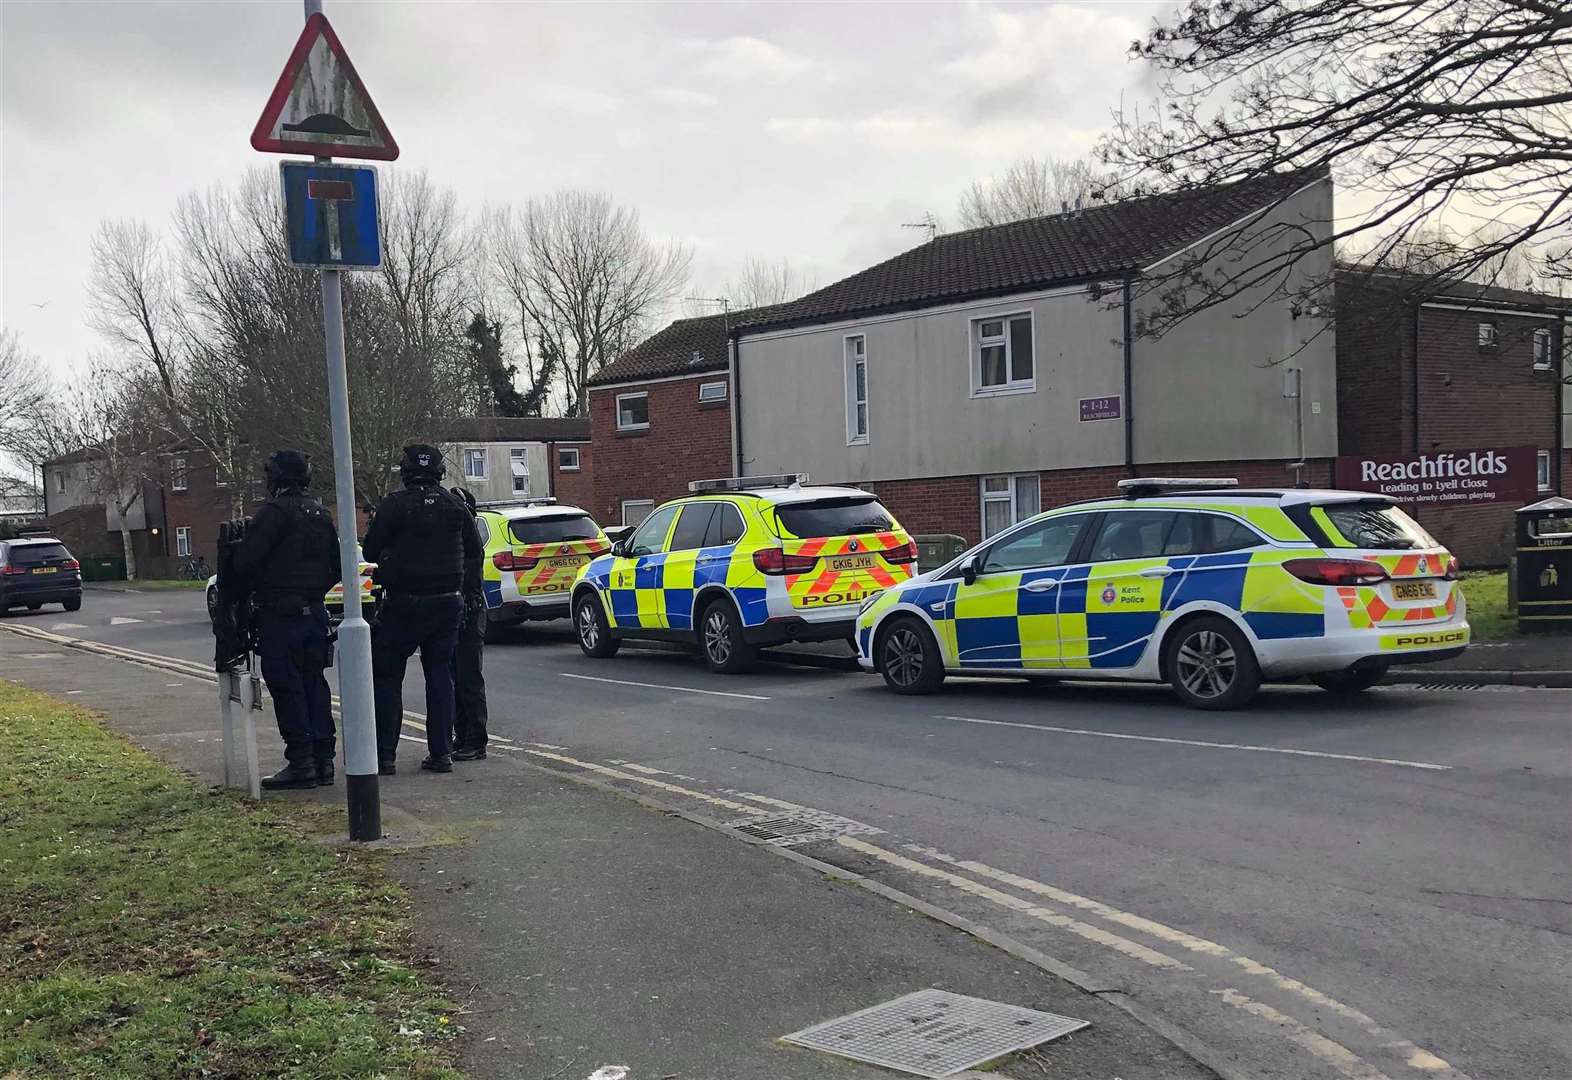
<point>404,624</point>
<point>469,680</point>
<point>294,650</point>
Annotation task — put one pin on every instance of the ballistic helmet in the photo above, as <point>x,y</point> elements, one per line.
<point>287,469</point>
<point>421,462</point>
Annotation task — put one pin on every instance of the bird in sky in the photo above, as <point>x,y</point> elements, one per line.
<point>45,304</point>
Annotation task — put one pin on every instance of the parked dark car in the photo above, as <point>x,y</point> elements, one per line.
<point>38,571</point>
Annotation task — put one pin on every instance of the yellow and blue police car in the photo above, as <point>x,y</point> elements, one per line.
<point>742,563</point>
<point>333,601</point>
<point>533,549</point>
<point>1191,582</point>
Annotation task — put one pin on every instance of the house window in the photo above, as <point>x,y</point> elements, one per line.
<point>1541,350</point>
<point>1002,354</point>
<point>60,483</point>
<point>178,478</point>
<point>710,391</point>
<point>1542,469</point>
<point>220,476</point>
<point>568,458</point>
<point>474,464</point>
<point>183,541</point>
<point>1007,500</point>
<point>1487,335</point>
<point>518,465</point>
<point>634,511</point>
<point>856,352</point>
<point>633,412</point>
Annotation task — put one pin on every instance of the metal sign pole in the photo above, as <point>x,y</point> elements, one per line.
<point>357,706</point>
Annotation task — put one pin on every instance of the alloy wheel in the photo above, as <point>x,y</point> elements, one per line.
<point>589,633</point>
<point>903,656</point>
<point>717,637</point>
<point>1206,664</point>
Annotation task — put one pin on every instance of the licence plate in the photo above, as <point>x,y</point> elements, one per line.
<point>851,562</point>
<point>46,569</point>
<point>1414,590</point>
<point>566,560</point>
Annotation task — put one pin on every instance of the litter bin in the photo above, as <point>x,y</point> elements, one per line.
<point>1544,567</point>
<point>936,549</point>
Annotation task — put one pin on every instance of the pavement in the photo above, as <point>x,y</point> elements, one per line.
<point>1313,887</point>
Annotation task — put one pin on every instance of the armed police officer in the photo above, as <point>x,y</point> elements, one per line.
<point>469,678</point>
<point>290,559</point>
<point>419,539</point>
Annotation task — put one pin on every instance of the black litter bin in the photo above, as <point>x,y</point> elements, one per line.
<point>1544,567</point>
<point>936,549</point>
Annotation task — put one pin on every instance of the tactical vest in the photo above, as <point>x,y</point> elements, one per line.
<point>426,555</point>
<point>303,561</point>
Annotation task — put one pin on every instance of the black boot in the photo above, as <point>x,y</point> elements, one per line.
<point>438,764</point>
<point>325,772</point>
<point>291,776</point>
<point>470,753</point>
<point>386,767</point>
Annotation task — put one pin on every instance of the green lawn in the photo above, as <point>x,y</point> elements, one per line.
<point>1486,593</point>
<point>157,583</point>
<point>151,930</point>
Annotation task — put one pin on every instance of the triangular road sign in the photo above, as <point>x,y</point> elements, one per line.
<point>320,106</point>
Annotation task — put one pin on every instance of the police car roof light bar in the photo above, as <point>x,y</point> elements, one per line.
<point>747,483</point>
<point>1146,486</point>
<point>498,504</point>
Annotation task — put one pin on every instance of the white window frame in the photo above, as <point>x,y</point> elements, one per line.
<point>984,497</point>
<point>636,502</point>
<point>1542,470</point>
<point>1011,385</point>
<point>1489,335</point>
<point>182,541</point>
<point>60,481</point>
<point>850,362</point>
<point>179,477</point>
<point>562,464</point>
<point>629,397</point>
<point>519,453</point>
<point>712,398</point>
<point>481,450</point>
<point>1542,346</point>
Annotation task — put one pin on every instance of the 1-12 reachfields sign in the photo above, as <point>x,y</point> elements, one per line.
<point>1445,477</point>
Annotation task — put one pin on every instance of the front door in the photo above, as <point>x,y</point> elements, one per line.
<point>1009,617</point>
<point>681,565</point>
<point>636,577</point>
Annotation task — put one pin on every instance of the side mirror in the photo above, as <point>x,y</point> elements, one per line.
<point>614,533</point>
<point>619,548</point>
<point>969,570</point>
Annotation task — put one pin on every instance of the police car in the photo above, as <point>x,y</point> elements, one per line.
<point>743,562</point>
<point>1191,582</point>
<point>533,550</point>
<point>333,601</point>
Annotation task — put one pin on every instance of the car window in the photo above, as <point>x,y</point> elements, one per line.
<point>834,517</point>
<point>1043,543</point>
<point>1132,534</point>
<point>651,534</point>
<point>1230,535</point>
<point>553,530</point>
<point>483,527</point>
<point>1377,525</point>
<point>692,527</point>
<point>726,527</point>
<point>37,554</point>
<point>1205,534</point>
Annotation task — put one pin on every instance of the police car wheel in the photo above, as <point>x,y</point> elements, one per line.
<point>909,658</point>
<point>1211,666</point>
<point>595,637</point>
<point>1349,680</point>
<point>721,641</point>
<point>212,605</point>
<point>73,604</point>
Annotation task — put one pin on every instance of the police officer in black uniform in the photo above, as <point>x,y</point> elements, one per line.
<point>290,558</point>
<point>419,539</point>
<point>469,679</point>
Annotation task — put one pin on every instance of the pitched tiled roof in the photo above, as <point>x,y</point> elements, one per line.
<point>686,347</point>
<point>1081,245</point>
<point>511,429</point>
<point>1415,286</point>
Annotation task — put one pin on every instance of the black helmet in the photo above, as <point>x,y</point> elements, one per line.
<point>287,469</point>
<point>421,462</point>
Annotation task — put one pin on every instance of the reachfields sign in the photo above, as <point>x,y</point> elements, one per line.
<point>1451,477</point>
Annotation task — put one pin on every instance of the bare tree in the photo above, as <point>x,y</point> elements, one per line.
<point>131,298</point>
<point>23,387</point>
<point>1432,111</point>
<point>585,279</point>
<point>763,282</point>
<point>1033,187</point>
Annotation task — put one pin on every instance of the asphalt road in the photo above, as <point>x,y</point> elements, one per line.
<point>1366,889</point>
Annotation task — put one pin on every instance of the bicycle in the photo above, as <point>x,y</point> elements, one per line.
<point>194,568</point>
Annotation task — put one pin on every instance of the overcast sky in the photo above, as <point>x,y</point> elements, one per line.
<point>797,130</point>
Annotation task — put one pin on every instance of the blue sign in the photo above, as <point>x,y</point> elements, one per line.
<point>330,216</point>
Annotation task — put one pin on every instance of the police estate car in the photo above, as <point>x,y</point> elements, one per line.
<point>533,551</point>
<point>333,601</point>
<point>741,563</point>
<point>1191,582</point>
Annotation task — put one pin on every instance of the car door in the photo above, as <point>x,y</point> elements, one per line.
<point>681,564</point>
<point>636,576</point>
<point>1117,589</point>
<point>1008,617</point>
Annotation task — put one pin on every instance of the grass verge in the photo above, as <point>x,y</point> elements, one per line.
<point>151,930</point>
<point>1486,593</point>
<point>152,584</point>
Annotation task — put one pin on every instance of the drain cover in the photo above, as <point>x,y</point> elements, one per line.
<point>934,1033</point>
<point>801,827</point>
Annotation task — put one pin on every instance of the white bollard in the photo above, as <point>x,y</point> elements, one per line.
<point>239,696</point>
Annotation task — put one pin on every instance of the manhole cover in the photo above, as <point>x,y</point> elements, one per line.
<point>934,1033</point>
<point>801,827</point>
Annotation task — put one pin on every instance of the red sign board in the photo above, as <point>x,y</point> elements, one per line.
<point>320,106</point>
<point>1444,477</point>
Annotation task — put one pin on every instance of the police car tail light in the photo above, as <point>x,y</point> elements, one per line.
<point>776,561</point>
<point>906,553</point>
<point>1454,569</point>
<point>506,560</point>
<point>1337,571</point>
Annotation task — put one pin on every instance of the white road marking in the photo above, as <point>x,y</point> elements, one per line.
<point>606,770</point>
<point>68,626</point>
<point>1417,1057</point>
<point>1344,1060</point>
<point>1134,950</point>
<point>1199,743</point>
<point>779,804</point>
<point>663,686</point>
<point>645,769</point>
<point>121,620</point>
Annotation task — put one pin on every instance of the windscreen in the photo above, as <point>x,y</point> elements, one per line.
<point>553,530</point>
<point>1377,525</point>
<point>834,517</point>
<point>37,554</point>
